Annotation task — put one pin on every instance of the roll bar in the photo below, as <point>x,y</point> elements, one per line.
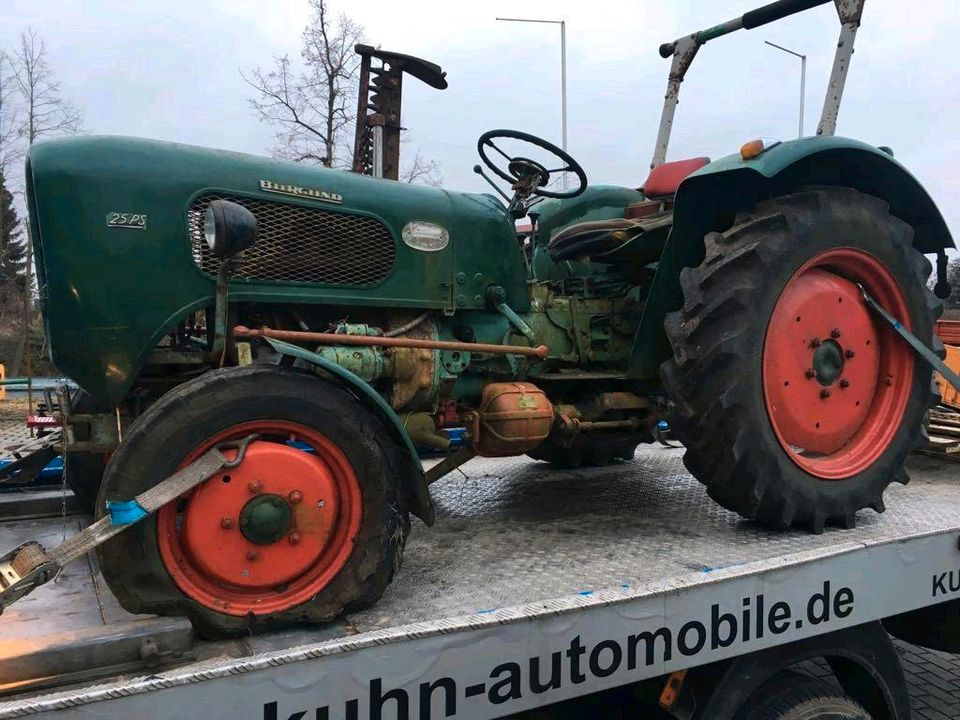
<point>684,49</point>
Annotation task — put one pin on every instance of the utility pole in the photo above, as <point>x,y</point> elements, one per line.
<point>563,76</point>
<point>803,77</point>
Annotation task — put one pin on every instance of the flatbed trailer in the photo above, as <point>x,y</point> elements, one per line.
<point>535,586</point>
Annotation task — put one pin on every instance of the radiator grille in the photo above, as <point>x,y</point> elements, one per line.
<point>301,244</point>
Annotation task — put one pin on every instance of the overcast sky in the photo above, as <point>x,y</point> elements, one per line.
<point>170,70</point>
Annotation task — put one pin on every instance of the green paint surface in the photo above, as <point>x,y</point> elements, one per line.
<point>109,293</point>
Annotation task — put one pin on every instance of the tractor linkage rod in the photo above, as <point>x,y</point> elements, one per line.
<point>379,340</point>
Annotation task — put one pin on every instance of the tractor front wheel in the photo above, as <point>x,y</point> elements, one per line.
<point>310,523</point>
<point>797,405</point>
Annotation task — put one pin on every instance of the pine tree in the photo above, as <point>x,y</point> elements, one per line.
<point>12,248</point>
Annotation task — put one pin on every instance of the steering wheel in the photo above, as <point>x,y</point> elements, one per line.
<point>528,177</point>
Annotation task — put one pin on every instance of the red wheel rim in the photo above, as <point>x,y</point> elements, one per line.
<point>269,534</point>
<point>836,381</point>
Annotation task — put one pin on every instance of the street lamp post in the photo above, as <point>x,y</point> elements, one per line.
<point>803,77</point>
<point>563,75</point>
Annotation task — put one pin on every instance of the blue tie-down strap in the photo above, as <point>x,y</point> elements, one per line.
<point>125,512</point>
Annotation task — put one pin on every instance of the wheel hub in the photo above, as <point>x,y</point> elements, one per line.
<point>270,533</point>
<point>835,382</point>
<point>257,552</point>
<point>265,519</point>
<point>828,362</point>
<point>811,409</point>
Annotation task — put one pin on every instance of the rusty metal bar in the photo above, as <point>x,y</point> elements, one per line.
<point>949,331</point>
<point>360,136</point>
<point>632,423</point>
<point>379,340</point>
<point>449,464</point>
<point>849,12</point>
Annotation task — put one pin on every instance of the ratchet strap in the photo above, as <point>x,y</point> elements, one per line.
<point>913,341</point>
<point>29,566</point>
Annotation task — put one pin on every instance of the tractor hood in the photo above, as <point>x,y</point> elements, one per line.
<point>116,225</point>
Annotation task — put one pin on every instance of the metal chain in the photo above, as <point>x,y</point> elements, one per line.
<point>63,483</point>
<point>63,474</point>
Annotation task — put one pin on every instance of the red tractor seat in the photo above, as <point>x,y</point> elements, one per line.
<point>664,180</point>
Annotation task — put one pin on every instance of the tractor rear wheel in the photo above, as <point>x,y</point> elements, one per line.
<point>310,523</point>
<point>796,404</point>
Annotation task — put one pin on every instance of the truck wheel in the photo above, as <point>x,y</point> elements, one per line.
<point>593,451</point>
<point>794,696</point>
<point>312,522</point>
<point>798,406</point>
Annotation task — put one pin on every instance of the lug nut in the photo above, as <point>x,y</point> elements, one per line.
<point>815,343</point>
<point>226,523</point>
<point>824,394</point>
<point>321,503</point>
<point>253,555</point>
<point>296,497</point>
<point>255,487</point>
<point>811,374</point>
<point>835,333</point>
<point>849,354</point>
<point>294,538</point>
<point>844,383</point>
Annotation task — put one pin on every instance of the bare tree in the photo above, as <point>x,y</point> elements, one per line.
<point>953,280</point>
<point>12,250</point>
<point>44,112</point>
<point>310,108</point>
<point>11,149</point>
<point>422,171</point>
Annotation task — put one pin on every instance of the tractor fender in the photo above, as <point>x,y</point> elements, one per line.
<point>413,480</point>
<point>710,198</point>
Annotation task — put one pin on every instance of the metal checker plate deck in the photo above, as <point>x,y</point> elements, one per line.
<point>516,536</point>
<point>513,531</point>
<point>301,244</point>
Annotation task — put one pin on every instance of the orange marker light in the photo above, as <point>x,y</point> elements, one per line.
<point>753,148</point>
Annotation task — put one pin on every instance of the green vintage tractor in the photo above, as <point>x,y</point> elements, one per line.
<point>343,322</point>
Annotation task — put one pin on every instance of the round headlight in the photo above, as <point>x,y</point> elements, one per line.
<point>228,228</point>
<point>210,228</point>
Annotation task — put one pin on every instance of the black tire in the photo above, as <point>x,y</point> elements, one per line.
<point>157,442</point>
<point>595,450</point>
<point>715,379</point>
<point>794,696</point>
